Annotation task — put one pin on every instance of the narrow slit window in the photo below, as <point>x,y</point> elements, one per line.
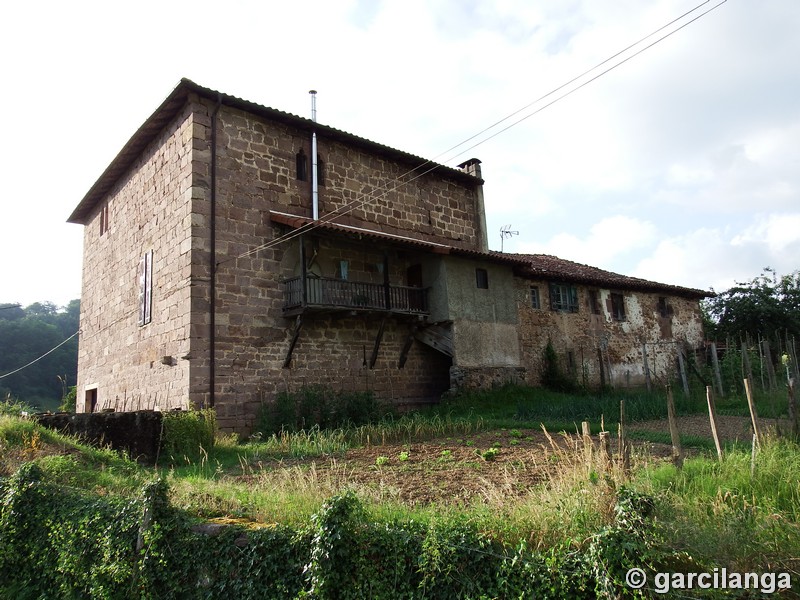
<point>146,289</point>
<point>301,166</point>
<point>104,219</point>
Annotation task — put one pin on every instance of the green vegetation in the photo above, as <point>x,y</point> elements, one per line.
<point>25,335</point>
<point>304,524</point>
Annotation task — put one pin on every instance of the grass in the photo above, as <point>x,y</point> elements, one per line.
<point>719,513</point>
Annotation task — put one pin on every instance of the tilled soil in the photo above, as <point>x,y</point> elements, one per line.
<point>463,470</point>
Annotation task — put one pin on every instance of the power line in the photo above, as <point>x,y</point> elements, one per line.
<point>399,181</point>
<point>41,357</point>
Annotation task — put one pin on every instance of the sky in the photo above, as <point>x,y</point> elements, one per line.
<point>679,165</point>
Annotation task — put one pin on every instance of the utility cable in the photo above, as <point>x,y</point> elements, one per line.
<point>400,181</point>
<point>41,357</point>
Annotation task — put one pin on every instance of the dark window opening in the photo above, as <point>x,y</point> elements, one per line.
<point>90,404</point>
<point>414,276</point>
<point>563,297</point>
<point>535,302</point>
<point>664,309</point>
<point>618,307</point>
<point>482,279</point>
<point>301,166</point>
<point>594,302</point>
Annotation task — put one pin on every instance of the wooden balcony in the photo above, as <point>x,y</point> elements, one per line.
<point>332,295</point>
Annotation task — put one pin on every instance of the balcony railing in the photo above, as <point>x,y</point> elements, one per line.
<point>322,292</point>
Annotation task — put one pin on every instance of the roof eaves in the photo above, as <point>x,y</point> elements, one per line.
<point>551,267</point>
<point>175,101</point>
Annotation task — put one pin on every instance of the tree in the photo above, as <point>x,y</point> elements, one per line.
<point>27,334</point>
<point>768,306</point>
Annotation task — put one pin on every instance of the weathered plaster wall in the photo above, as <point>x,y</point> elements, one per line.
<point>576,337</point>
<point>484,320</point>
<point>148,209</point>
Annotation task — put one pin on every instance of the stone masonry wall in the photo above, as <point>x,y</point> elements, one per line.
<point>149,209</point>
<point>576,337</point>
<point>256,174</point>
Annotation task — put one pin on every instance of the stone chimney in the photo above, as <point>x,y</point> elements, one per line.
<point>473,167</point>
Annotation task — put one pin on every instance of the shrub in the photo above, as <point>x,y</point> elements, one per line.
<point>187,435</point>
<point>319,406</point>
<point>553,377</point>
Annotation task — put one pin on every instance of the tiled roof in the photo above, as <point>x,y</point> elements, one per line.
<point>552,268</point>
<point>151,128</point>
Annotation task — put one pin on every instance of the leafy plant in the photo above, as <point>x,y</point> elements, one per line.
<point>381,461</point>
<point>489,454</point>
<point>188,435</point>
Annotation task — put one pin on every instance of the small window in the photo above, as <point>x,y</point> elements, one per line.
<point>104,221</point>
<point>535,302</point>
<point>563,297</point>
<point>618,307</point>
<point>664,309</point>
<point>301,166</point>
<point>594,302</point>
<point>482,279</point>
<point>146,289</point>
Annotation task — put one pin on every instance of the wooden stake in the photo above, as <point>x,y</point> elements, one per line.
<point>753,456</point>
<point>605,449</point>
<point>712,417</point>
<point>773,385</point>
<point>717,374</point>
<point>748,371</point>
<point>677,450</point>
<point>646,368</point>
<point>588,447</point>
<point>682,369</point>
<point>753,413</point>
<point>623,448</point>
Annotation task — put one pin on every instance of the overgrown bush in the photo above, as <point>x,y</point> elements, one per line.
<point>322,407</point>
<point>186,435</point>
<point>553,377</point>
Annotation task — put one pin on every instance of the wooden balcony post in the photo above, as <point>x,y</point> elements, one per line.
<point>386,289</point>
<point>303,273</point>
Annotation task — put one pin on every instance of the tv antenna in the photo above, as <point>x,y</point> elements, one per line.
<point>505,232</point>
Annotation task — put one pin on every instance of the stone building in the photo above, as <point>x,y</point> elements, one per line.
<point>233,251</point>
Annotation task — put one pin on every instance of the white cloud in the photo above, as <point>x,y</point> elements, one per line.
<point>606,241</point>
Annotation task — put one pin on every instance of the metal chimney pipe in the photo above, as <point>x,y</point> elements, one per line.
<point>314,180</point>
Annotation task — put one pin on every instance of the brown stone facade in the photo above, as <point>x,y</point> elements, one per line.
<point>123,365</point>
<point>163,204</point>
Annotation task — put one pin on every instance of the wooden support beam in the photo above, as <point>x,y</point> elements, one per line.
<point>406,347</point>
<point>374,358</point>
<point>298,325</point>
